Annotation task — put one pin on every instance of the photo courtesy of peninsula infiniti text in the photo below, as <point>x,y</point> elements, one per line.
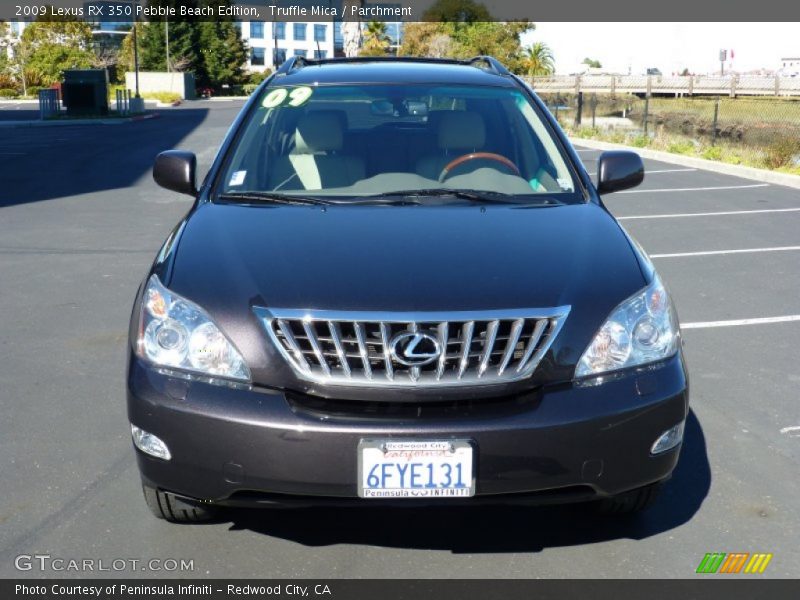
<point>398,285</point>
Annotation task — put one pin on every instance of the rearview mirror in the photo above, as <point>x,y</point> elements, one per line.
<point>176,170</point>
<point>619,170</point>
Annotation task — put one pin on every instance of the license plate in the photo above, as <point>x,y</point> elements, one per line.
<point>415,469</point>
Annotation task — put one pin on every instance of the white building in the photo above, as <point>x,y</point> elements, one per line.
<point>272,43</point>
<point>790,67</point>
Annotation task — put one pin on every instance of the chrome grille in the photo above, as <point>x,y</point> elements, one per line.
<point>360,348</point>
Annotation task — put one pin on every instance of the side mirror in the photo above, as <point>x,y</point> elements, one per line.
<point>619,170</point>
<point>176,170</point>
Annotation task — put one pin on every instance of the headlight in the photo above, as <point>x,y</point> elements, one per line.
<point>174,332</point>
<point>643,329</point>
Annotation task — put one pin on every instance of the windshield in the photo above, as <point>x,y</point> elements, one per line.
<point>357,141</point>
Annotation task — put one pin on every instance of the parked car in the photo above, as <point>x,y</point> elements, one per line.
<point>398,285</point>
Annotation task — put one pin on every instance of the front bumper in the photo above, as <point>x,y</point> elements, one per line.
<point>258,446</point>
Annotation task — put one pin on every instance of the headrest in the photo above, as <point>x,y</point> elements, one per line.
<point>462,130</point>
<point>319,131</point>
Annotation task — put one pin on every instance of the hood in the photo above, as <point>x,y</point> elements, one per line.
<point>419,258</point>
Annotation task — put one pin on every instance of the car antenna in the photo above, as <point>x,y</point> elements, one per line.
<point>319,52</point>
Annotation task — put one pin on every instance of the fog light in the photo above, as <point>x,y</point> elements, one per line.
<point>149,444</point>
<point>669,439</point>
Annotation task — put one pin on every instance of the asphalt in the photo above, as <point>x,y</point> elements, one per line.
<point>81,220</point>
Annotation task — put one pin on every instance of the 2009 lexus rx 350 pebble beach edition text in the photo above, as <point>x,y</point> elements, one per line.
<point>398,285</point>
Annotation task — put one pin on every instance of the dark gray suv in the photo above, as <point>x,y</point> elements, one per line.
<point>398,285</point>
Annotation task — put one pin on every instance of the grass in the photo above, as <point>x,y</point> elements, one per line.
<point>163,97</point>
<point>762,110</point>
<point>757,132</point>
<point>782,154</point>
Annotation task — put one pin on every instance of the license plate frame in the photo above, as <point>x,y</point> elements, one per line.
<point>440,452</point>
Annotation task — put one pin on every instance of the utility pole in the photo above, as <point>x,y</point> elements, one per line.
<point>166,41</point>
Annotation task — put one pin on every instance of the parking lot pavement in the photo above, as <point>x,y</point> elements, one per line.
<point>81,220</point>
<point>18,111</point>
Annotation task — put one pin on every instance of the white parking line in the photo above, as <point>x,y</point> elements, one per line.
<point>697,189</point>
<point>657,171</point>
<point>736,322</point>
<point>647,172</point>
<point>714,252</point>
<point>710,214</point>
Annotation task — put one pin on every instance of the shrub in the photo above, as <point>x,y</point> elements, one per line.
<point>617,137</point>
<point>7,82</point>
<point>582,131</point>
<point>249,88</point>
<point>8,93</point>
<point>712,153</point>
<point>680,147</point>
<point>34,90</point>
<point>781,153</point>
<point>640,141</point>
<point>259,76</point>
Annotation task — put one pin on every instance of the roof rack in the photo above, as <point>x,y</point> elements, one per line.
<point>292,63</point>
<point>493,64</point>
<point>298,62</point>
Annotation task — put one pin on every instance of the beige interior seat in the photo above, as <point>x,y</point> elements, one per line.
<point>316,161</point>
<point>458,132</point>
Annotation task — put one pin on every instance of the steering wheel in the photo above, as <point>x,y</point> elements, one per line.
<point>477,156</point>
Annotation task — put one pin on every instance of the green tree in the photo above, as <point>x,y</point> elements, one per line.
<point>462,29</point>
<point>464,40</point>
<point>538,59</point>
<point>5,44</point>
<point>450,11</point>
<point>47,48</point>
<point>426,39</point>
<point>592,64</point>
<point>376,40</point>
<point>212,50</point>
<point>223,53</point>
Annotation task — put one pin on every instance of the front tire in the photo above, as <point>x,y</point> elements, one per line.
<point>630,502</point>
<point>174,509</point>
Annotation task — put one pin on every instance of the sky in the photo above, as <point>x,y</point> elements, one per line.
<point>670,47</point>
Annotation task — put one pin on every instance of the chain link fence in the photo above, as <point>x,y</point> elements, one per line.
<point>755,131</point>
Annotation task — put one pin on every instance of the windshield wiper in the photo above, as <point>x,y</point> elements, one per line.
<point>276,198</point>
<point>487,196</point>
<point>273,198</point>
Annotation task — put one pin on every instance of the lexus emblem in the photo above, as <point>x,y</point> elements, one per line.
<point>414,349</point>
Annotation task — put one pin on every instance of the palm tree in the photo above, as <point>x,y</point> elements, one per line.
<point>376,40</point>
<point>538,60</point>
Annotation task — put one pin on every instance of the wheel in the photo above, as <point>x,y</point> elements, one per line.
<point>630,502</point>
<point>168,506</point>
